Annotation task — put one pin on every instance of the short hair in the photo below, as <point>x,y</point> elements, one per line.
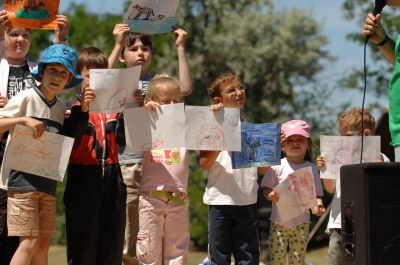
<point>10,29</point>
<point>131,37</point>
<point>222,79</point>
<point>152,90</point>
<point>91,58</point>
<point>351,120</point>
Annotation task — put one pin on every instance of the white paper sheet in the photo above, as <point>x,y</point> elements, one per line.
<point>114,88</point>
<point>296,194</point>
<point>208,130</point>
<point>46,156</point>
<point>161,129</point>
<point>345,150</point>
<point>151,16</point>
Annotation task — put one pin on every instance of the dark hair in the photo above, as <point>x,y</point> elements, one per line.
<point>91,57</point>
<point>214,89</point>
<point>131,37</point>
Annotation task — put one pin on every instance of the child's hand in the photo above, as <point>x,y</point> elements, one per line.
<point>3,101</point>
<point>138,97</point>
<point>3,23</point>
<point>87,96</point>
<point>270,194</point>
<point>151,105</point>
<point>36,126</point>
<point>119,33</point>
<point>180,37</point>
<point>216,107</point>
<point>62,30</point>
<point>319,209</point>
<point>320,162</point>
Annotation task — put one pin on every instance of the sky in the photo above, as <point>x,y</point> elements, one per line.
<point>328,12</point>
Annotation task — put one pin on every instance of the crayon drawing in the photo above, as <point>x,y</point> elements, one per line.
<point>260,146</point>
<point>296,194</point>
<point>32,13</point>
<point>208,130</point>
<point>46,156</point>
<point>345,150</point>
<point>151,16</point>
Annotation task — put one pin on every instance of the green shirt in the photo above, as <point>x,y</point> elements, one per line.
<point>394,99</point>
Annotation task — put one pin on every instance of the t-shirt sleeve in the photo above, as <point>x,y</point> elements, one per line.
<point>270,178</point>
<point>317,182</point>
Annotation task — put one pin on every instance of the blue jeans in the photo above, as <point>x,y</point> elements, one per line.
<point>233,230</point>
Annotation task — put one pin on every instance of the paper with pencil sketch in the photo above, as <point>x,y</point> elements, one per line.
<point>296,194</point>
<point>151,16</point>
<point>260,146</point>
<point>161,129</point>
<point>114,88</point>
<point>209,130</point>
<point>46,156</point>
<point>31,13</point>
<point>345,150</point>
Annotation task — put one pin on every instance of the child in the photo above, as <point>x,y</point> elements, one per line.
<point>390,50</point>
<point>163,236</point>
<point>231,194</point>
<point>38,108</point>
<point>349,124</point>
<point>95,194</point>
<point>133,49</point>
<point>15,76</point>
<point>291,233</point>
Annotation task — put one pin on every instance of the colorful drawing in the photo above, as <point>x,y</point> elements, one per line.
<point>260,146</point>
<point>32,13</point>
<point>208,130</point>
<point>151,16</point>
<point>296,194</point>
<point>46,156</point>
<point>345,150</point>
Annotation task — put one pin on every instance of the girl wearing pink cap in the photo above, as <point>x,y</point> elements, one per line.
<point>288,231</point>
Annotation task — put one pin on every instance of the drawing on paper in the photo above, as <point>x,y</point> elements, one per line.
<point>303,187</point>
<point>211,138</point>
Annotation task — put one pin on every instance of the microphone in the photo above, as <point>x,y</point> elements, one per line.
<point>379,5</point>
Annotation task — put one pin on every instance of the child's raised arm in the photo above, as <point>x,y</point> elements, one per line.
<point>62,31</point>
<point>118,33</point>
<point>185,76</point>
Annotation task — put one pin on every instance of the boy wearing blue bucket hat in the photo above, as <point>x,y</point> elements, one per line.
<point>40,109</point>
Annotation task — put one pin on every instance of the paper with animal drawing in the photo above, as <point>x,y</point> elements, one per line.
<point>32,13</point>
<point>296,194</point>
<point>208,130</point>
<point>345,150</point>
<point>46,156</point>
<point>161,129</point>
<point>114,88</point>
<point>151,16</point>
<point>260,146</point>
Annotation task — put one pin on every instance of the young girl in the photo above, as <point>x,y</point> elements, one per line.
<point>294,232</point>
<point>163,236</point>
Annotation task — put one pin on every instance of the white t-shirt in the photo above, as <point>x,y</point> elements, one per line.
<point>227,186</point>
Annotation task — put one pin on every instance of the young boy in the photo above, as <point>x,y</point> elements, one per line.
<point>31,196</point>
<point>349,124</point>
<point>133,49</point>
<point>15,76</point>
<point>231,194</point>
<point>95,194</point>
<point>390,50</point>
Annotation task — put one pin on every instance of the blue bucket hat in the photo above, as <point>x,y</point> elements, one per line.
<point>59,53</point>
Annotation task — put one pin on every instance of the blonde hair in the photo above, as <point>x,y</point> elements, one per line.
<point>351,120</point>
<point>154,85</point>
<point>223,79</point>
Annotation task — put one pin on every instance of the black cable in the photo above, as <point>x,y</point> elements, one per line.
<point>363,100</point>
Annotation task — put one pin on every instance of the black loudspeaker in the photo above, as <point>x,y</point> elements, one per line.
<point>370,201</point>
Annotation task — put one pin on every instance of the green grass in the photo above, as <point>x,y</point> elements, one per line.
<point>57,256</point>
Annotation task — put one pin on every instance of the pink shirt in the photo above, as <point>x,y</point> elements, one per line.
<point>277,174</point>
<point>165,170</point>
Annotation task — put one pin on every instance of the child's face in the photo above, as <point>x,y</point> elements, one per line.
<point>137,54</point>
<point>16,44</point>
<point>85,74</point>
<point>296,145</point>
<point>167,95</point>
<point>232,95</point>
<point>54,79</point>
<point>348,132</point>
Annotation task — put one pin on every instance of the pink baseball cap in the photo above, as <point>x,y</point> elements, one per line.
<point>296,127</point>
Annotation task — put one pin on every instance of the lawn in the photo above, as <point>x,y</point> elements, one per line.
<point>315,256</point>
